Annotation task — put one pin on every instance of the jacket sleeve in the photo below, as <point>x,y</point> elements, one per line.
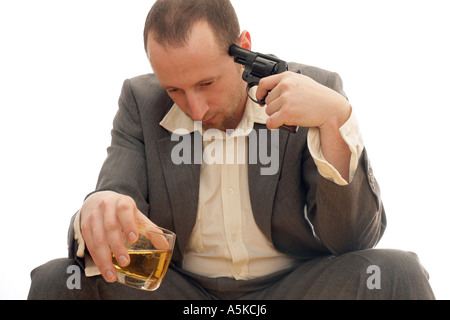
<point>345,217</point>
<point>351,217</point>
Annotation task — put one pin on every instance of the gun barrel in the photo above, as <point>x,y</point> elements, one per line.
<point>258,64</point>
<point>240,54</point>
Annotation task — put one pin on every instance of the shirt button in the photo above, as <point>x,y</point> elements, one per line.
<point>230,190</point>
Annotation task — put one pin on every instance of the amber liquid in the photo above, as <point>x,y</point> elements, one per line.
<point>146,269</point>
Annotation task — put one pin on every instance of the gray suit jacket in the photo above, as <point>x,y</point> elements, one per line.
<point>303,214</point>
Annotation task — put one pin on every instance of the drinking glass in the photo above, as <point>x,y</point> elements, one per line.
<point>149,258</point>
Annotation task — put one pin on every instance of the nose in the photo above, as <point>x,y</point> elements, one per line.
<point>197,106</point>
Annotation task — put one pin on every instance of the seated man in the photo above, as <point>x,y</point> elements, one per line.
<point>289,216</point>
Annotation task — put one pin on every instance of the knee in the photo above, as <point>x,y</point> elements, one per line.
<point>54,279</point>
<point>394,263</point>
<point>401,272</point>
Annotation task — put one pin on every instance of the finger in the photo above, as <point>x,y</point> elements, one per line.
<point>152,232</point>
<point>114,236</point>
<point>274,121</point>
<point>274,101</point>
<point>279,114</point>
<point>143,221</point>
<point>98,247</point>
<point>159,240</point>
<point>127,213</point>
<point>266,85</point>
<point>103,260</point>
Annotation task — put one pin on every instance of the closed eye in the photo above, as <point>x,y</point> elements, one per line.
<point>173,90</point>
<point>208,84</point>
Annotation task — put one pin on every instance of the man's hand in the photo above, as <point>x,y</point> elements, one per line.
<point>105,218</point>
<point>297,100</point>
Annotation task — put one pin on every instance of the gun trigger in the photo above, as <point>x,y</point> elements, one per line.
<point>260,102</point>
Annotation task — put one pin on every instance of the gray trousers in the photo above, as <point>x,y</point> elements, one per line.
<point>367,274</point>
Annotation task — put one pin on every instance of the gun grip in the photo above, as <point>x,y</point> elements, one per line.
<point>291,129</point>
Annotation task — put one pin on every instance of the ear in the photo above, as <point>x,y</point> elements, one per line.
<point>245,40</point>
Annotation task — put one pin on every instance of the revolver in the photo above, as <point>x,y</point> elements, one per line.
<point>258,66</point>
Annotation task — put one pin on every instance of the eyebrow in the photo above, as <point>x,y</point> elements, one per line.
<point>209,79</point>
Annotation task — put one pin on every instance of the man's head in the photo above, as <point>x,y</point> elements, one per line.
<point>171,21</point>
<point>187,44</point>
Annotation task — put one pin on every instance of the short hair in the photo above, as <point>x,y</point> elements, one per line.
<point>170,21</point>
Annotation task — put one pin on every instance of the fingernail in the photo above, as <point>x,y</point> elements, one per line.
<point>132,236</point>
<point>110,276</point>
<point>123,260</point>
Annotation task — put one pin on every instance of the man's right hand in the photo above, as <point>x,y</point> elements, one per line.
<point>105,217</point>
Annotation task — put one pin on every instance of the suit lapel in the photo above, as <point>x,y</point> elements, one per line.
<point>182,182</point>
<point>263,187</point>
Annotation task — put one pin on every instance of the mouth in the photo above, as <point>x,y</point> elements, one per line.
<point>209,120</point>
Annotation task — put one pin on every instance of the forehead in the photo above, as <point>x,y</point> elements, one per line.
<point>201,57</point>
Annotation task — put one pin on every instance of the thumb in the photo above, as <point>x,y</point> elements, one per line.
<point>152,232</point>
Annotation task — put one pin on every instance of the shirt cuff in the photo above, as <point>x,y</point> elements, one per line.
<point>352,136</point>
<point>78,236</point>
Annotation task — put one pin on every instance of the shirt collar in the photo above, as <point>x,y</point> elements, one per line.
<point>177,121</point>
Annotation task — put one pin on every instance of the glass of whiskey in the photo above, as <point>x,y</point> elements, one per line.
<point>149,258</point>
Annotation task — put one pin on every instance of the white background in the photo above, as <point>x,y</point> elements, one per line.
<point>62,65</point>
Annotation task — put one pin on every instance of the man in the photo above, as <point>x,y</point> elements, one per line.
<point>303,231</point>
